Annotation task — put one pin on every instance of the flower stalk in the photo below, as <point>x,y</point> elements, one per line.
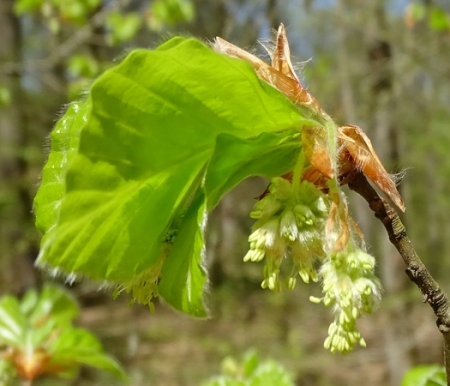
<point>304,215</point>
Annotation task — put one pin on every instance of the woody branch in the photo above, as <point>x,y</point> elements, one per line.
<point>415,269</point>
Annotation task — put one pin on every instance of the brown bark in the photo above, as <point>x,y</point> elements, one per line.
<point>415,269</point>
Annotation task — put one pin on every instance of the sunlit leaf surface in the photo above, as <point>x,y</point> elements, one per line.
<point>146,136</point>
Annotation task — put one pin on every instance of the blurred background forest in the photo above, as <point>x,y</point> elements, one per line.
<point>382,65</point>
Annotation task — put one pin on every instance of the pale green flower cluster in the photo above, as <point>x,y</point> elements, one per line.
<point>291,223</point>
<point>144,286</point>
<point>351,289</point>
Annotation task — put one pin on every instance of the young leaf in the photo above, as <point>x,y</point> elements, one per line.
<point>54,302</point>
<point>12,322</point>
<point>268,155</point>
<point>151,130</point>
<point>77,346</point>
<point>182,276</point>
<point>40,338</point>
<point>65,139</point>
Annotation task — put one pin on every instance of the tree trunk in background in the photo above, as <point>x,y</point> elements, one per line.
<point>437,220</point>
<point>272,14</point>
<point>384,134</point>
<point>349,110</point>
<point>16,272</point>
<point>211,19</point>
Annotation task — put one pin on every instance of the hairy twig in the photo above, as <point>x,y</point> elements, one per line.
<point>415,269</point>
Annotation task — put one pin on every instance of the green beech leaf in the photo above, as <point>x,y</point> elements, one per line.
<point>54,302</point>
<point>182,276</point>
<point>76,346</point>
<point>65,139</point>
<point>268,155</point>
<point>39,329</point>
<point>146,135</point>
<point>28,302</point>
<point>52,309</point>
<point>12,322</point>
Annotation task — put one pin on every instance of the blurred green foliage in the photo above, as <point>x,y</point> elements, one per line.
<point>5,96</point>
<point>122,27</point>
<point>436,17</point>
<point>251,371</point>
<point>37,337</point>
<point>430,375</point>
<point>170,12</point>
